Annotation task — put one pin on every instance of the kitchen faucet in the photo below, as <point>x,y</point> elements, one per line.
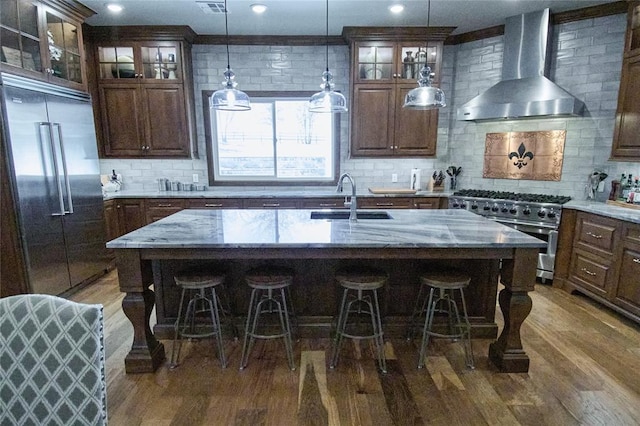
<point>352,204</point>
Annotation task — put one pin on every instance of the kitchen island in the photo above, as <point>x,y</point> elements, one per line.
<point>315,248</point>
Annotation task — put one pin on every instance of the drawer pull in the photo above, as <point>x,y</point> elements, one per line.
<point>165,205</point>
<point>213,205</point>
<point>636,260</point>
<point>596,236</point>
<point>270,204</point>
<point>588,272</point>
<point>384,204</point>
<point>328,204</point>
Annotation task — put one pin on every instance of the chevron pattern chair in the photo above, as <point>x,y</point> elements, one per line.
<point>52,362</point>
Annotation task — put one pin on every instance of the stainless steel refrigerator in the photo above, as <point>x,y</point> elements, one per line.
<point>55,177</point>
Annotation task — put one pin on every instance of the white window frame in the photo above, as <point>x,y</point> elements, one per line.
<point>269,97</point>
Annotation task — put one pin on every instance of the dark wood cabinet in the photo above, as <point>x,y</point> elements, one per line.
<point>385,63</point>
<point>159,208</point>
<point>123,215</point>
<point>626,144</point>
<point>144,89</point>
<point>602,260</point>
<point>386,203</point>
<point>43,40</point>
<point>214,203</point>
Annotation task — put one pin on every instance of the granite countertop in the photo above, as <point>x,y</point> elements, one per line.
<point>262,193</point>
<point>233,228</point>
<point>603,209</point>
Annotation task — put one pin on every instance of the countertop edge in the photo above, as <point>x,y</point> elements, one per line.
<point>607,210</point>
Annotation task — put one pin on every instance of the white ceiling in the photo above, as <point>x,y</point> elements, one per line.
<point>307,17</point>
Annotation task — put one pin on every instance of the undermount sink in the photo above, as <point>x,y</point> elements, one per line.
<point>345,215</point>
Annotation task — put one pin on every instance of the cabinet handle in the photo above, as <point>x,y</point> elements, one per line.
<point>328,204</point>
<point>270,204</point>
<point>588,272</point>
<point>596,236</point>
<point>636,260</point>
<point>165,205</point>
<point>213,205</point>
<point>384,204</point>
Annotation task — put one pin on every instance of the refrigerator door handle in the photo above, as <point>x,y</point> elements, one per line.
<point>64,168</point>
<point>48,136</point>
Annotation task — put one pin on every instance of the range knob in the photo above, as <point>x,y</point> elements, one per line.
<point>495,208</point>
<point>474,206</point>
<point>513,210</point>
<point>526,211</point>
<point>486,207</point>
<point>541,213</point>
<point>504,208</point>
<point>551,214</point>
<point>455,204</point>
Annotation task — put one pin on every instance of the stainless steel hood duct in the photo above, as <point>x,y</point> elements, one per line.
<point>524,91</point>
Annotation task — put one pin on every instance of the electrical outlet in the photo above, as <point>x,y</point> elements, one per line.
<point>196,179</point>
<point>394,177</point>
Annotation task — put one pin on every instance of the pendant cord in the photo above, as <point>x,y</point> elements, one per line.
<point>326,40</point>
<point>226,30</point>
<point>426,56</point>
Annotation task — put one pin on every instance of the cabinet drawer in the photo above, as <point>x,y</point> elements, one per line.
<point>323,203</point>
<point>160,208</point>
<point>596,234</point>
<point>590,274</point>
<point>271,203</point>
<point>385,203</point>
<point>214,203</point>
<point>427,203</point>
<point>165,203</point>
<point>631,233</point>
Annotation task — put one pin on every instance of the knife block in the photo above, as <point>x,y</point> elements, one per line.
<point>433,187</point>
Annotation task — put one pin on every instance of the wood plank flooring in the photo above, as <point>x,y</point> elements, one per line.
<point>584,371</point>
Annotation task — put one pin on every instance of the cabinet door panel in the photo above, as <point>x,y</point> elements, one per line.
<point>626,143</point>
<point>166,125</point>
<point>597,234</point>
<point>591,275</point>
<point>121,117</point>
<point>130,215</point>
<point>628,292</point>
<point>373,128</point>
<point>415,130</point>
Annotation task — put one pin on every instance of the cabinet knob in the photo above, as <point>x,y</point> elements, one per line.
<point>636,260</point>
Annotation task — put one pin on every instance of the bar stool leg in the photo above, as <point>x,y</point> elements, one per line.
<point>377,331</point>
<point>215,318</point>
<point>342,319</point>
<point>418,309</point>
<point>286,326</point>
<point>177,336</point>
<point>428,322</point>
<point>468,348</point>
<point>248,337</point>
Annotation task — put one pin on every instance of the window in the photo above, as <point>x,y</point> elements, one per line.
<point>277,142</point>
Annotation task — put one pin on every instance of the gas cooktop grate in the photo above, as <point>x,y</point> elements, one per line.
<point>513,196</point>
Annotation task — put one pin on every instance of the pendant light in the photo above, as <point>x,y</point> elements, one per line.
<point>229,98</point>
<point>327,100</point>
<point>425,96</point>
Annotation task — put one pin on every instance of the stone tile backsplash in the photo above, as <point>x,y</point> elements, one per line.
<point>586,59</point>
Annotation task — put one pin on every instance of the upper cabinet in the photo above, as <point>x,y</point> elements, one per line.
<point>626,143</point>
<point>144,91</point>
<point>43,40</point>
<point>385,63</point>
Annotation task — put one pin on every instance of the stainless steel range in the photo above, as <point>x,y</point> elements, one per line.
<point>534,214</point>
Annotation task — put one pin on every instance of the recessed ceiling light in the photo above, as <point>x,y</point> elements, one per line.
<point>115,8</point>
<point>258,8</point>
<point>396,8</point>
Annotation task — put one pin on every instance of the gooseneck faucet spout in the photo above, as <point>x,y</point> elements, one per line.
<point>352,203</point>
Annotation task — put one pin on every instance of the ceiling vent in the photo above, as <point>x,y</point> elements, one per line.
<point>212,7</point>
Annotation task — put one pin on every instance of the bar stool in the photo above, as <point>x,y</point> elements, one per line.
<point>195,284</point>
<point>269,294</point>
<point>446,283</point>
<point>360,296</point>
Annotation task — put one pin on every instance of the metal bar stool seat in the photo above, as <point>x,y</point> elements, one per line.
<point>443,301</point>
<point>360,296</point>
<point>195,284</point>
<point>269,294</point>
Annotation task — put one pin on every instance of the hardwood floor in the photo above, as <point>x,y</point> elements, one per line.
<point>584,370</point>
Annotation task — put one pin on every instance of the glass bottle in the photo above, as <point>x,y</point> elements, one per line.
<point>421,60</point>
<point>408,64</point>
<point>624,187</point>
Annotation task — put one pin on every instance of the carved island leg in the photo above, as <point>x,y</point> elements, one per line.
<point>518,276</point>
<point>135,277</point>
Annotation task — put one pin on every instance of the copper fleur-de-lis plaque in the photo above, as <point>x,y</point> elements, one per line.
<point>524,155</point>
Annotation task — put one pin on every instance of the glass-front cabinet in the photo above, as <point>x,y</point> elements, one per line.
<point>41,41</point>
<point>143,61</point>
<point>379,61</point>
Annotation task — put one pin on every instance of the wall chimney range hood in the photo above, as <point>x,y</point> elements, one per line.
<point>524,91</point>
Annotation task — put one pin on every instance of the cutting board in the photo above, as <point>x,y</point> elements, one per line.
<point>623,204</point>
<point>391,191</point>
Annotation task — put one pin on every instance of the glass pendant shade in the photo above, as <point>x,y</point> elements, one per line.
<point>327,100</point>
<point>229,98</point>
<point>425,96</point>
